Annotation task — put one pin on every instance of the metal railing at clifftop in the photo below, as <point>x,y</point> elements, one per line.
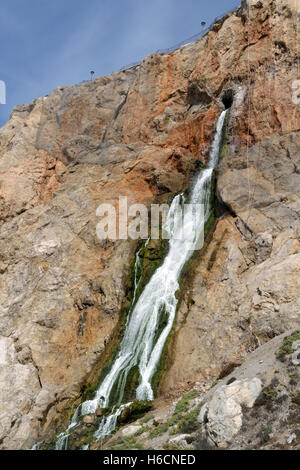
<point>186,41</point>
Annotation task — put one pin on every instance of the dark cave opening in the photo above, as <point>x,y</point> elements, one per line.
<point>227,98</point>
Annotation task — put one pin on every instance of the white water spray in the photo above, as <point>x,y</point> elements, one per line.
<point>152,317</point>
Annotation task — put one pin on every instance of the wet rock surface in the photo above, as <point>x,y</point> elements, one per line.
<point>244,290</point>
<point>143,133</point>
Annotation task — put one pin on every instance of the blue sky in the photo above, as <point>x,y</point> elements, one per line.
<point>47,43</point>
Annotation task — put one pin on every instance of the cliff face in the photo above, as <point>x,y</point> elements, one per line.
<point>254,407</point>
<point>140,133</point>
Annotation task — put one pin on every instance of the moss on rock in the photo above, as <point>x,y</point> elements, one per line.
<point>286,348</point>
<point>136,410</point>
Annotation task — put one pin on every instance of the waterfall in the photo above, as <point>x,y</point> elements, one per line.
<point>152,317</point>
<point>62,439</point>
<point>137,268</point>
<point>109,424</point>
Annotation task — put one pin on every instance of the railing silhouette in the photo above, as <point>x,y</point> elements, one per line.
<point>186,41</point>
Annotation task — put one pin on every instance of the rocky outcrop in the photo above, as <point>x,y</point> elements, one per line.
<point>142,133</point>
<point>244,288</point>
<point>222,416</point>
<point>254,407</point>
<point>258,404</point>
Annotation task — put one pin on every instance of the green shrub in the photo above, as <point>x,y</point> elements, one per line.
<point>264,434</point>
<point>126,443</point>
<point>142,431</point>
<point>159,430</point>
<point>267,397</point>
<point>168,446</point>
<point>147,418</point>
<point>296,398</point>
<point>184,402</point>
<point>286,347</point>
<point>187,423</point>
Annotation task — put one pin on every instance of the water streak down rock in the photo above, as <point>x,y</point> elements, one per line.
<point>141,133</point>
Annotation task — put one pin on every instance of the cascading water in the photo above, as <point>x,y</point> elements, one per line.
<point>137,268</point>
<point>144,336</point>
<point>62,439</point>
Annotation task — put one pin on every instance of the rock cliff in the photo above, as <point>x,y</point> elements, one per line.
<point>143,133</point>
<point>256,406</point>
